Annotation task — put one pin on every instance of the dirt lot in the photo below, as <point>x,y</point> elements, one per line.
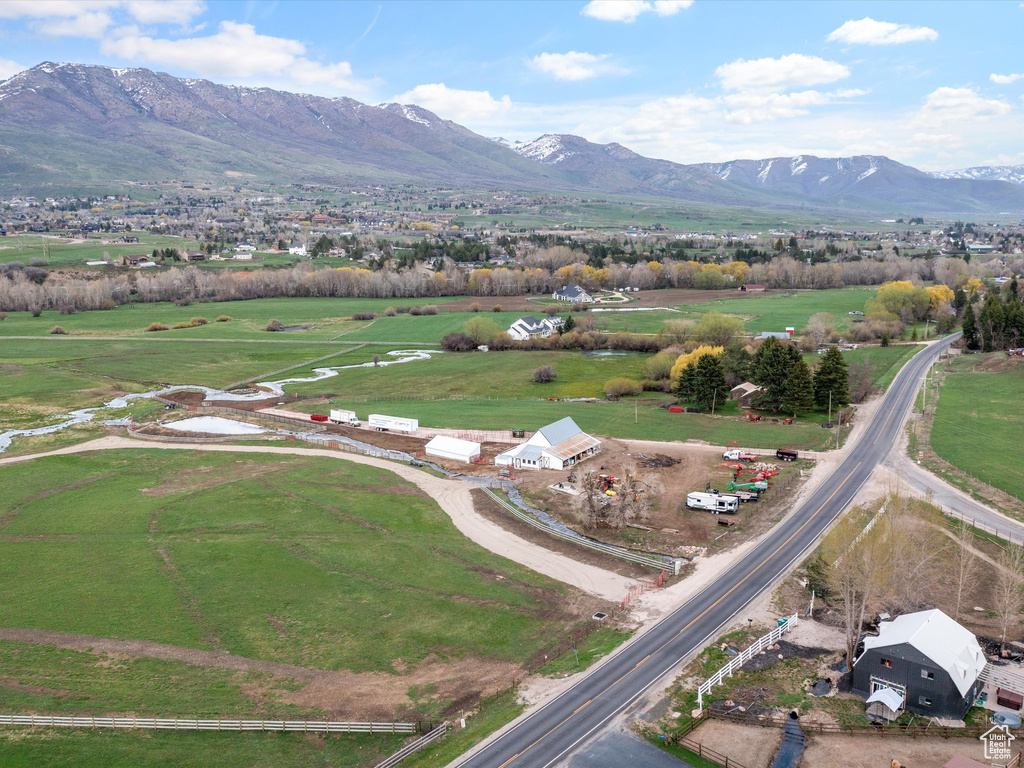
<point>834,751</point>
<point>751,746</point>
<point>672,525</point>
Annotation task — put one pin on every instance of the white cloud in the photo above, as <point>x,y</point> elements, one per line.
<point>236,51</point>
<point>9,68</point>
<point>180,12</point>
<point>795,70</point>
<point>457,105</point>
<point>948,106</point>
<point>93,24</point>
<point>867,31</point>
<point>92,18</point>
<point>1005,79</point>
<point>751,107</point>
<point>574,65</point>
<point>628,11</point>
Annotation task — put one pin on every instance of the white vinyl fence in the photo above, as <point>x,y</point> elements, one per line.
<point>176,724</point>
<point>744,656</point>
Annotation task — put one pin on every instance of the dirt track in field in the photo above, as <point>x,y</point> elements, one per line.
<point>366,696</point>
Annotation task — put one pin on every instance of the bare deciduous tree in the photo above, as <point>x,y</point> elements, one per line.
<point>1009,598</point>
<point>963,564</point>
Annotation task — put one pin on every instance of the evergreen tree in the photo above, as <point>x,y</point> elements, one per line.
<point>969,328</point>
<point>569,324</point>
<point>991,321</point>
<point>771,365</point>
<point>799,394</point>
<point>709,386</point>
<point>832,378</point>
<point>736,361</point>
<point>686,386</point>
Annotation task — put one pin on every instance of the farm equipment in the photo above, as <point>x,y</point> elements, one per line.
<point>752,416</point>
<point>738,455</point>
<point>730,465</point>
<point>757,485</point>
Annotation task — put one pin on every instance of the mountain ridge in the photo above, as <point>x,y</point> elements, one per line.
<point>72,124</point>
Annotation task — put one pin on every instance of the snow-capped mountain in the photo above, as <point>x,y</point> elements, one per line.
<point>1011,173</point>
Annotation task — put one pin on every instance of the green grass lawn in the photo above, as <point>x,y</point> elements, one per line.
<point>84,748</point>
<point>43,379</point>
<point>330,317</point>
<point>648,422</point>
<point>60,253</point>
<point>777,311</point>
<point>294,559</point>
<point>979,420</point>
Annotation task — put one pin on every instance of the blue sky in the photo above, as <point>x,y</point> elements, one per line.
<point>938,85</point>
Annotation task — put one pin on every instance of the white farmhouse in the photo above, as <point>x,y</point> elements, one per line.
<point>572,294</point>
<point>530,327</point>
<point>555,446</point>
<point>297,249</point>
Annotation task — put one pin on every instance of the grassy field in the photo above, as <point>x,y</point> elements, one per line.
<point>43,379</point>
<point>71,748</point>
<point>289,559</point>
<point>979,420</point>
<point>647,422</point>
<point>778,311</point>
<point>331,318</point>
<point>60,252</point>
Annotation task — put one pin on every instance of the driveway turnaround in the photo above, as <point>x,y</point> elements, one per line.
<point>559,727</point>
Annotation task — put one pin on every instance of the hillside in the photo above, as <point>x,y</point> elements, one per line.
<point>1011,173</point>
<point>70,126</point>
<point>869,182</point>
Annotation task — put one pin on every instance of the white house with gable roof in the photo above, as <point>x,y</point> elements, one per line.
<point>555,446</point>
<point>530,327</point>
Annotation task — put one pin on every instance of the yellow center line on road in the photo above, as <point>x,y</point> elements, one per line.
<point>695,619</point>
<point>892,410</point>
<point>581,706</point>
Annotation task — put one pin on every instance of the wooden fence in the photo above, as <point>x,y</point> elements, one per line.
<point>865,729</point>
<point>179,724</point>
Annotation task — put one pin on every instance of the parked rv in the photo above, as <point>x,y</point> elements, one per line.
<point>713,502</point>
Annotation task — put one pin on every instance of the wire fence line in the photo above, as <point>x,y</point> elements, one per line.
<point>186,724</point>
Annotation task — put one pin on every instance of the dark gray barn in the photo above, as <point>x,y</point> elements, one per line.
<point>928,659</point>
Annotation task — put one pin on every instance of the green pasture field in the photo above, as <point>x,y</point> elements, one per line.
<point>59,252</point>
<point>884,362</point>
<point>777,311</point>
<point>86,748</point>
<point>331,318</point>
<point>294,559</point>
<point>41,379</point>
<point>618,419</point>
<point>979,420</point>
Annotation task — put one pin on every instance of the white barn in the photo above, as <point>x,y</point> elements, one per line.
<point>555,446</point>
<point>445,447</point>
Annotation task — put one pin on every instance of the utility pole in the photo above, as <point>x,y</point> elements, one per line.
<point>830,405</point>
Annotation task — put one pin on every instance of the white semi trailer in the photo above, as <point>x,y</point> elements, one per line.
<point>384,423</point>
<point>347,418</point>
<point>713,502</point>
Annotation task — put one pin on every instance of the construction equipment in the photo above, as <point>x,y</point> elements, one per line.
<point>730,464</point>
<point>752,416</point>
<point>757,485</point>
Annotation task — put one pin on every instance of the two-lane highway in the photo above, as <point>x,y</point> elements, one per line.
<point>557,728</point>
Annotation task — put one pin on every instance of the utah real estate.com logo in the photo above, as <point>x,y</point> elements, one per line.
<point>997,742</point>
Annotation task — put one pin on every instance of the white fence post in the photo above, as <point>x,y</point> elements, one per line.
<point>743,657</point>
